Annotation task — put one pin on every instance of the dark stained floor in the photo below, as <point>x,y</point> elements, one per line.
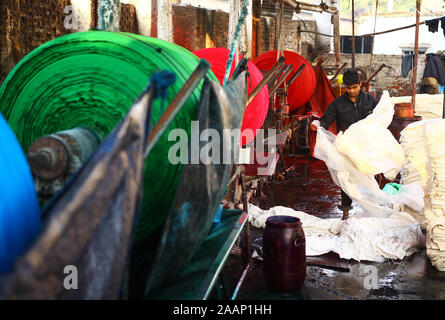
<point>309,188</point>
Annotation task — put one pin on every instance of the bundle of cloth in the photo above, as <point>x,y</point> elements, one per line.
<point>428,106</point>
<point>424,146</point>
<point>365,149</point>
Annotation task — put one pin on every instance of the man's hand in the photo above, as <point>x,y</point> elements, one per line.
<point>314,125</point>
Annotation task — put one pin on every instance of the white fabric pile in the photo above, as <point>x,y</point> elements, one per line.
<point>365,149</point>
<point>428,106</point>
<point>415,169</point>
<point>358,238</point>
<point>424,145</point>
<point>370,146</point>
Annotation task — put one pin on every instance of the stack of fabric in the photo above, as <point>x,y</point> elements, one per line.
<point>415,170</point>
<point>428,106</point>
<point>424,146</point>
<point>435,144</point>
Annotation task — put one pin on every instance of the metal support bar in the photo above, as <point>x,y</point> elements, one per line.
<point>392,30</point>
<point>296,74</point>
<point>298,6</point>
<point>338,72</point>
<point>416,55</point>
<point>373,38</point>
<point>242,65</point>
<point>366,83</point>
<point>265,80</point>
<point>283,77</point>
<point>176,105</point>
<point>353,37</point>
<point>443,110</point>
<point>276,75</point>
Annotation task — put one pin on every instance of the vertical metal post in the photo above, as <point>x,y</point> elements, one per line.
<point>416,55</point>
<point>373,38</point>
<point>336,22</point>
<point>353,37</point>
<point>443,110</point>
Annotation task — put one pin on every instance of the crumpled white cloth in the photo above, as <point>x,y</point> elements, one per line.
<point>367,148</point>
<point>370,145</point>
<point>358,238</point>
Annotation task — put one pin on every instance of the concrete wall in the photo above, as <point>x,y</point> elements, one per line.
<point>389,78</point>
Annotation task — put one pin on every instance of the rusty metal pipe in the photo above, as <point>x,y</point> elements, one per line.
<point>338,72</point>
<point>176,105</point>
<point>416,55</point>
<point>296,5</point>
<point>353,37</point>
<point>276,75</point>
<point>296,74</point>
<point>265,80</point>
<point>374,74</point>
<point>278,84</point>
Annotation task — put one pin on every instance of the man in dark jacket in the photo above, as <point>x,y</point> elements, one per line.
<point>347,109</point>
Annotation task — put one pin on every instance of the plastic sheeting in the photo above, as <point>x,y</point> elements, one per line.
<point>358,238</point>
<point>365,149</point>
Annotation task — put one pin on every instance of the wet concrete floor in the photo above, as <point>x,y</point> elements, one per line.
<point>309,188</point>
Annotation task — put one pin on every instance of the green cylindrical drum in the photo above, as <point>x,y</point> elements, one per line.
<point>91,79</point>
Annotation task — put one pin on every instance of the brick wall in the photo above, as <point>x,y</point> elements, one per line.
<point>389,78</point>
<point>25,25</point>
<point>198,28</point>
<point>192,25</point>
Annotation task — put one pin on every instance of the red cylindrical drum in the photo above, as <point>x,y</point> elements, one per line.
<point>284,253</point>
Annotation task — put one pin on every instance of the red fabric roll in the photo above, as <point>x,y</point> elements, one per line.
<point>302,88</point>
<point>256,111</point>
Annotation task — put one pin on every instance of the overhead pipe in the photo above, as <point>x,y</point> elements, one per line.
<point>298,6</point>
